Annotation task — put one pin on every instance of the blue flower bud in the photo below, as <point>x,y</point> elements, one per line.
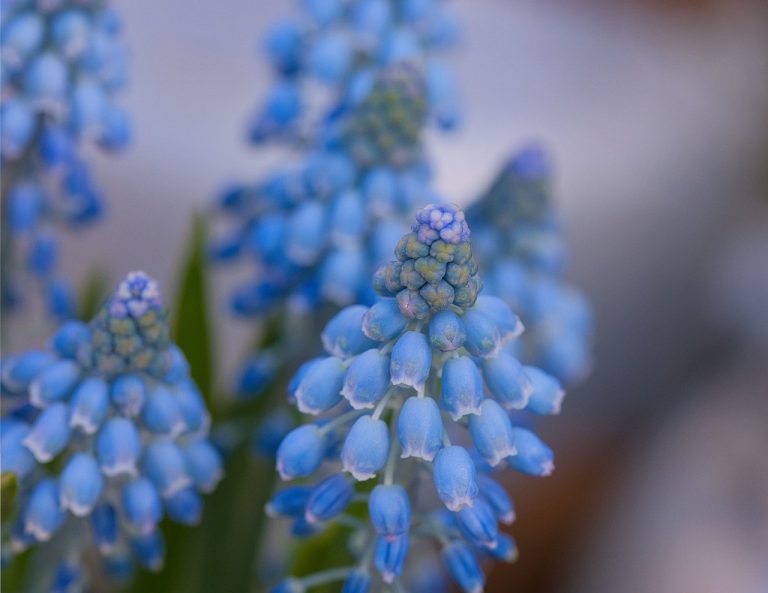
<point>478,524</point>
<point>118,447</point>
<point>455,478</point>
<point>162,414</point>
<point>464,567</point>
<point>70,338</point>
<point>383,321</point>
<point>50,433</point>
<point>43,514</point>
<point>343,335</point>
<point>164,464</point>
<point>283,45</point>
<point>348,219</point>
<point>533,456</point>
<point>128,394</point>
<point>15,456</point>
<point>142,507</point>
<point>104,527</point>
<point>307,233</point>
<point>90,404</point>
<point>192,405</point>
<point>505,549</point>
<point>420,428</point>
<point>358,581</point>
<point>390,510</point>
<point>491,432</point>
<point>446,331</point>
<point>289,502</point>
<point>116,128</point>
<point>22,36</point>
<point>88,101</point>
<point>185,507</point>
<point>54,383</point>
<point>547,395</point>
<point>499,312</point>
<point>462,387</point>
<point>45,79</point>
<point>298,377</point>
<point>320,389</point>
<point>365,449</point>
<point>25,206</point>
<point>507,380</point>
<point>411,360</point>
<point>329,498</point>
<point>389,557</point>
<point>329,57</point>
<point>150,550</point>
<point>70,31</point>
<point>80,485</point>
<point>367,379</point>
<point>483,337</point>
<point>20,371</point>
<point>497,497</point>
<point>343,275</point>
<point>301,452</point>
<point>204,464</point>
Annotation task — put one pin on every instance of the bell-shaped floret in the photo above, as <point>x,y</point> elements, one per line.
<point>455,478</point>
<point>491,432</point>
<point>365,449</point>
<point>420,428</point>
<point>301,452</point>
<point>462,387</point>
<point>411,360</point>
<point>367,379</point>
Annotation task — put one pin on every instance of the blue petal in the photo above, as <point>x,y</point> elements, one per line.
<point>390,510</point>
<point>80,485</point>
<point>464,567</point>
<point>365,449</point>
<point>367,379</point>
<point>420,428</point>
<point>50,433</point>
<point>491,432</point>
<point>204,464</point>
<point>164,464</point>
<point>411,360</point>
<point>43,514</point>
<point>389,557</point>
<point>128,394</point>
<point>383,321</point>
<point>90,404</point>
<point>301,452</point>
<point>329,498</point>
<point>483,338</point>
<point>478,524</point>
<point>533,456</point>
<point>343,335</point>
<point>462,387</point>
<point>185,507</point>
<point>507,380</point>
<point>142,507</point>
<point>446,331</point>
<point>455,478</point>
<point>547,395</point>
<point>54,383</point>
<point>320,388</point>
<point>118,447</point>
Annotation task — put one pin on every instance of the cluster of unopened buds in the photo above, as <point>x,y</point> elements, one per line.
<point>419,384</point>
<point>106,433</point>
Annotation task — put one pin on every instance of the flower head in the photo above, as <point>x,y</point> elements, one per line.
<point>521,246</point>
<point>113,405</point>
<point>63,67</point>
<point>431,391</point>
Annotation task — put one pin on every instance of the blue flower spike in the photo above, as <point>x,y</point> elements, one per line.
<point>107,434</point>
<point>437,373</point>
<point>64,66</point>
<point>521,246</point>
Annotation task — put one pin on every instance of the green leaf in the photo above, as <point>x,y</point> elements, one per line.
<point>10,488</point>
<point>94,292</point>
<point>191,325</point>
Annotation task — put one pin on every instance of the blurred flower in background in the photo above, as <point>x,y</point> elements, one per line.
<point>63,63</point>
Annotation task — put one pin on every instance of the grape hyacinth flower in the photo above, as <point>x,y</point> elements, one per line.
<point>63,64</point>
<point>106,433</point>
<point>520,243</point>
<point>421,389</point>
<point>314,231</point>
<point>340,46</point>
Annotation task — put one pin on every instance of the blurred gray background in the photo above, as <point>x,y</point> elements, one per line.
<point>655,114</point>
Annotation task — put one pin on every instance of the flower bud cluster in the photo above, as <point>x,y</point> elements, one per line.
<point>342,45</point>
<point>520,244</point>
<point>386,126</point>
<point>63,63</point>
<point>106,433</point>
<point>404,399</point>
